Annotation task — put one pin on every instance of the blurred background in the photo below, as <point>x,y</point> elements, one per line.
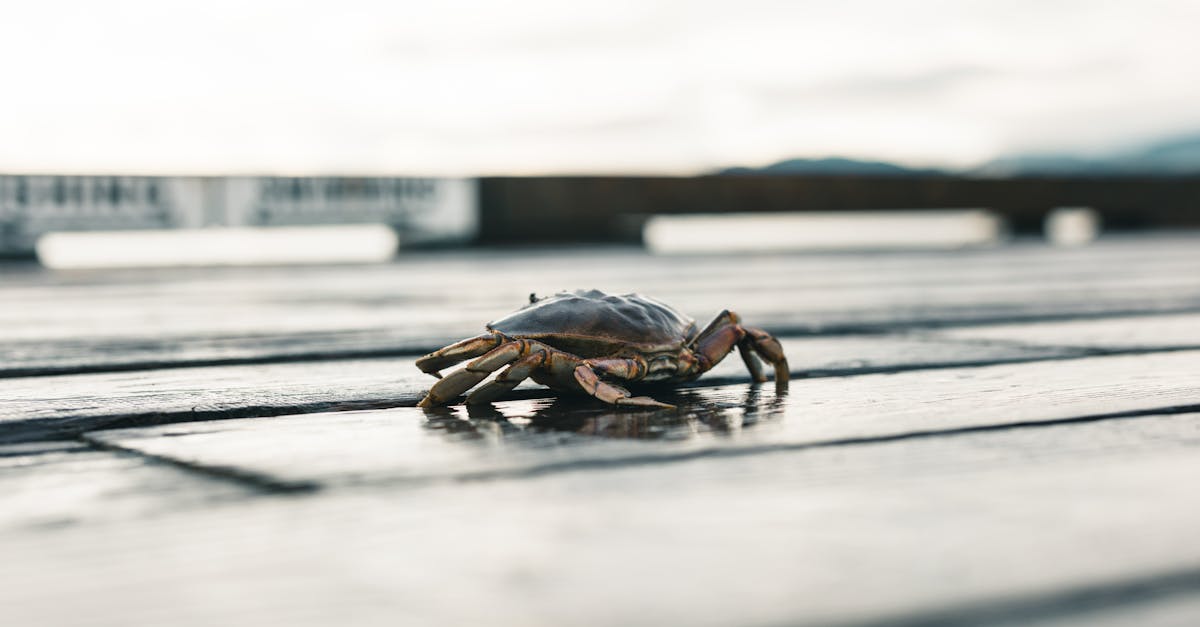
<point>464,123</point>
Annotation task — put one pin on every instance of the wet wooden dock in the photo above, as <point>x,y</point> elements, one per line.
<point>982,437</point>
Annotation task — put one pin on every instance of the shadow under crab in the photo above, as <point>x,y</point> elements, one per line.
<point>533,422</point>
<point>586,341</point>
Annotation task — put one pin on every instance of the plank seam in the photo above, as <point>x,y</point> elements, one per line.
<point>1071,602</point>
<point>1066,351</point>
<point>260,482</point>
<point>749,450</point>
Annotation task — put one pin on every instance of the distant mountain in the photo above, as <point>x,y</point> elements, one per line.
<point>1179,156</point>
<point>1174,157</point>
<point>832,166</point>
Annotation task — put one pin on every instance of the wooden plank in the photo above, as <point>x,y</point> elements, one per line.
<point>82,355</point>
<point>1006,525</point>
<point>1113,334</point>
<point>47,486</point>
<point>37,407</point>
<point>519,438</point>
<point>141,320</point>
<point>901,498</point>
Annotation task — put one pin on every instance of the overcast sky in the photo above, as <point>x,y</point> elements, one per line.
<point>447,87</point>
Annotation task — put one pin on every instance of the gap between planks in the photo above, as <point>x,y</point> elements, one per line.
<point>260,482</point>
<point>761,449</point>
<point>1071,603</point>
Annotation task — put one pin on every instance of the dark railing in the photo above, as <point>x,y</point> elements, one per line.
<point>600,209</point>
<point>612,209</point>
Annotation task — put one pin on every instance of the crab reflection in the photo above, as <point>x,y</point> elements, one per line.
<point>719,413</point>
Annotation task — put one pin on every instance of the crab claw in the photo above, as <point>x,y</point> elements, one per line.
<point>609,393</point>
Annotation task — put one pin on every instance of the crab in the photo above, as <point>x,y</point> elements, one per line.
<point>588,341</point>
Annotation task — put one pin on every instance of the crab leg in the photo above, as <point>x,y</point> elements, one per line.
<point>609,393</point>
<point>622,368</point>
<point>769,349</point>
<point>509,379</point>
<point>459,351</point>
<point>746,351</point>
<point>726,331</point>
<point>717,339</point>
<point>467,377</point>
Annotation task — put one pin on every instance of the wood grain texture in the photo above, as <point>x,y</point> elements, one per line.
<point>37,407</point>
<point>987,524</point>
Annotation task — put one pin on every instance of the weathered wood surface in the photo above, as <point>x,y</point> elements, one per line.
<point>1119,333</point>
<point>530,437</point>
<point>47,486</point>
<point>140,320</point>
<point>980,437</point>
<point>1007,526</point>
<point>39,407</point>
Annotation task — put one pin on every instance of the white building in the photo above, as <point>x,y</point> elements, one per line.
<point>423,211</point>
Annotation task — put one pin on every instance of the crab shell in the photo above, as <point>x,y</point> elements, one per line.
<point>585,341</point>
<point>594,324</point>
